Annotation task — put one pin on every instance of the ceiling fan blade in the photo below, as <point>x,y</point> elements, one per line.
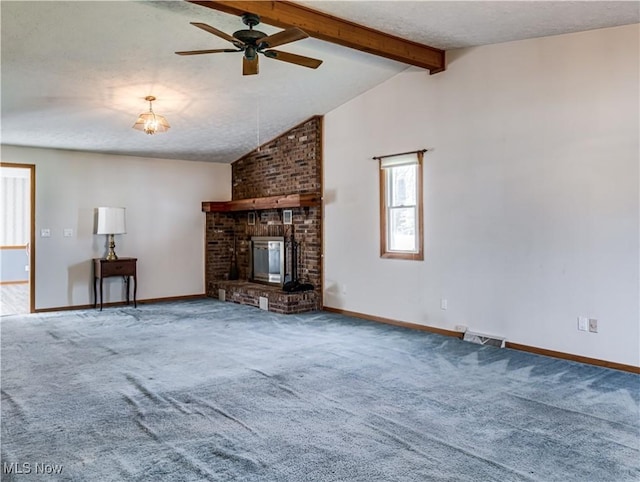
<point>249,67</point>
<point>198,52</point>
<point>293,58</point>
<point>283,37</point>
<point>219,33</point>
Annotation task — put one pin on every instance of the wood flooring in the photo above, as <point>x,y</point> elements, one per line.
<point>14,299</point>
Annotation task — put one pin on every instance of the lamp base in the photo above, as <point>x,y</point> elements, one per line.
<point>111,255</point>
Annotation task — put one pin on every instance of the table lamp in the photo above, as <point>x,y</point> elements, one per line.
<point>111,221</point>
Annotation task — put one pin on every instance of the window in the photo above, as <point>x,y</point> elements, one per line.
<point>401,206</point>
<point>15,206</point>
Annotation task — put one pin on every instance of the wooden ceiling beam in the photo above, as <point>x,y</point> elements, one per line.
<point>332,29</point>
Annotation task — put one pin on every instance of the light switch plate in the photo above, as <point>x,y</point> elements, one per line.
<point>67,232</point>
<point>583,323</point>
<point>45,233</point>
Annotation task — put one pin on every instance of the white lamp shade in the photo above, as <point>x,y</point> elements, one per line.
<point>111,221</point>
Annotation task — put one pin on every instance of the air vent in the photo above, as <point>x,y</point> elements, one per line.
<point>482,339</point>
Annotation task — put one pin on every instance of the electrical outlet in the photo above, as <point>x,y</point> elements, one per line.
<point>583,323</point>
<point>67,232</point>
<point>443,304</point>
<point>45,233</point>
<point>593,325</point>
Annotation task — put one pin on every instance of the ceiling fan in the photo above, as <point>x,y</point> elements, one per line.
<point>253,42</point>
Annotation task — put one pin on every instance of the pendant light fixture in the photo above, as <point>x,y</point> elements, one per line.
<point>150,122</point>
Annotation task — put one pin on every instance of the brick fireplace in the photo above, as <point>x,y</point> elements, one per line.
<point>284,174</point>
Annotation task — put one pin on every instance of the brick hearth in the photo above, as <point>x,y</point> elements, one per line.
<point>247,293</point>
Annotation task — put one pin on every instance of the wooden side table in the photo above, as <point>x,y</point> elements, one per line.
<point>125,267</point>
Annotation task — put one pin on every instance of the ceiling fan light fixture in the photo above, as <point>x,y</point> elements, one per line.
<point>150,122</point>
<point>253,42</point>
<point>250,53</point>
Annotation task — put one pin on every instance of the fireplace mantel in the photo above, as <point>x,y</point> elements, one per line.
<point>255,204</point>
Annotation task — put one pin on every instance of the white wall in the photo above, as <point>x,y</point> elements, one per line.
<point>165,225</point>
<point>531,194</point>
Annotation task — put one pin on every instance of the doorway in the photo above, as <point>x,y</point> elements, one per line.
<point>17,236</point>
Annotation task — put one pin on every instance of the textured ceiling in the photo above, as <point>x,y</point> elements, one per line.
<point>457,24</point>
<point>75,74</point>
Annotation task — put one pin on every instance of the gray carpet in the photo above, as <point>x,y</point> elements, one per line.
<point>205,390</point>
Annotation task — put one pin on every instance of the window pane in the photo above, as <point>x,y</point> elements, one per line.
<point>403,185</point>
<point>402,229</point>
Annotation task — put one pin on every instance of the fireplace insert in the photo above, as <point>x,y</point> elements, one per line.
<point>266,260</point>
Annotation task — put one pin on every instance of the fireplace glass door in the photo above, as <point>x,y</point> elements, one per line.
<point>267,263</point>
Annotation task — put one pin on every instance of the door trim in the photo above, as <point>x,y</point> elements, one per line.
<point>32,228</point>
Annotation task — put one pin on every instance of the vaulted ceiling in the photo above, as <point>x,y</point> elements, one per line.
<point>75,74</point>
